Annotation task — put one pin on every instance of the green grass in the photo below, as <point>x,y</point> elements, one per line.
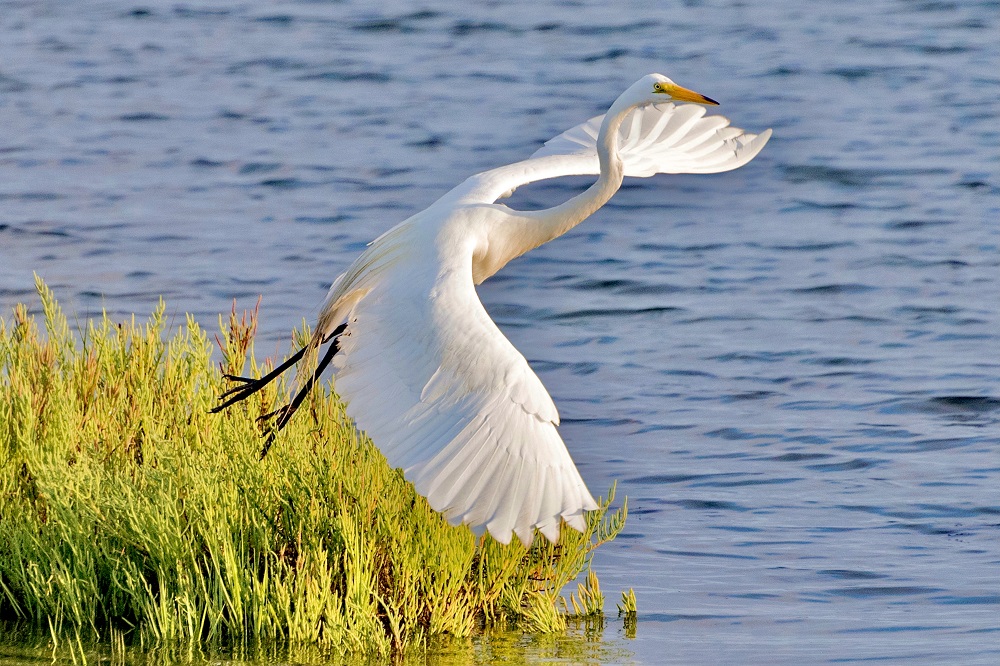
<point>128,510</point>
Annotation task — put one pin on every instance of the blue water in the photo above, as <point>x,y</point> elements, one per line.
<point>792,369</point>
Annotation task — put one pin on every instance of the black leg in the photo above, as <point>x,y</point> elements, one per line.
<point>249,386</point>
<point>285,413</point>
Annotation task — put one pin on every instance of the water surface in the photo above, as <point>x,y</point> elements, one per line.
<point>791,369</point>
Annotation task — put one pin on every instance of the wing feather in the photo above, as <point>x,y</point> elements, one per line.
<point>444,395</point>
<point>664,138</point>
<point>659,138</point>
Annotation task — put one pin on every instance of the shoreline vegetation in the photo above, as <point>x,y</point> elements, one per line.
<point>130,513</point>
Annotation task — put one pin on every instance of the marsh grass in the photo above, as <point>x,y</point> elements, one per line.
<point>129,512</point>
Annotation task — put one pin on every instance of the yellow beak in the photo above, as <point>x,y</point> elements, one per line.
<point>684,95</point>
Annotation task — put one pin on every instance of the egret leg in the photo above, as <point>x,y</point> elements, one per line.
<point>248,385</point>
<point>285,413</point>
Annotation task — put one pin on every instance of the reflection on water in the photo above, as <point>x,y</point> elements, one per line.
<point>791,369</point>
<point>582,643</point>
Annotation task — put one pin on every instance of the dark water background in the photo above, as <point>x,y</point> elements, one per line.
<point>791,369</point>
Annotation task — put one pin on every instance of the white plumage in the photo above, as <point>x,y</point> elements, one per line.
<point>664,138</point>
<point>425,371</point>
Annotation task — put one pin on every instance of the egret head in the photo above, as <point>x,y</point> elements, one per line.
<point>656,88</point>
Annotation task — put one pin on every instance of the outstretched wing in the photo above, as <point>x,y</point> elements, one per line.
<point>658,138</point>
<point>666,138</point>
<point>445,396</point>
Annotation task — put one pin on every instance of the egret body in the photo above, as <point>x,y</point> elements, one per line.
<point>423,369</point>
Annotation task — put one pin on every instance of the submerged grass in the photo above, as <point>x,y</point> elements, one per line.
<point>127,510</point>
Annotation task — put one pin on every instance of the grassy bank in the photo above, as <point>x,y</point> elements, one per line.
<point>128,510</point>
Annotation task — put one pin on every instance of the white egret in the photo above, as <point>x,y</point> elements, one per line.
<point>424,370</point>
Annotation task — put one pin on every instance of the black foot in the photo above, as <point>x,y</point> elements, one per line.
<point>249,385</point>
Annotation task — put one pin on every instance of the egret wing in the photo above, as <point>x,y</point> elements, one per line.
<point>665,138</point>
<point>446,397</point>
<point>658,138</point>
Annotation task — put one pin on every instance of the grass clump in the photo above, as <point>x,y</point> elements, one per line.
<point>126,509</point>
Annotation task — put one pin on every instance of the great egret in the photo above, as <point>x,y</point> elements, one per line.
<point>422,367</point>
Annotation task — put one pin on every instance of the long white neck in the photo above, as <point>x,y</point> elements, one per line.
<point>518,232</point>
<point>554,222</point>
<point>526,230</point>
